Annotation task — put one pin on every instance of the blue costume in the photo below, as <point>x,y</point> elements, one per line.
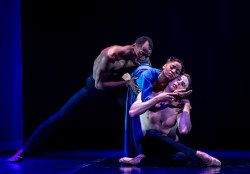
<point>132,133</point>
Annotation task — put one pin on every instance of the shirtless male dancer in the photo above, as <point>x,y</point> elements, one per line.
<point>108,68</point>
<point>158,116</point>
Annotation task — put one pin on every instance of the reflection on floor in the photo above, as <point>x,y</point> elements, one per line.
<point>106,162</point>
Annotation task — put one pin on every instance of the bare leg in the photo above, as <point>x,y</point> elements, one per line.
<point>133,161</point>
<point>207,159</point>
<point>17,157</point>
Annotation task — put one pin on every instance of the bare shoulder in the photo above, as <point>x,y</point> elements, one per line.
<point>118,50</point>
<point>107,53</point>
<point>108,50</point>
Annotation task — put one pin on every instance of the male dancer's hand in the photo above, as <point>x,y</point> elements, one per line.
<point>180,93</point>
<point>133,85</point>
<point>131,82</point>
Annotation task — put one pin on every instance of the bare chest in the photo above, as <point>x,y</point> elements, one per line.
<point>117,65</point>
<point>164,118</point>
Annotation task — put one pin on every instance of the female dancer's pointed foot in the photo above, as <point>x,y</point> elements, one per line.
<point>207,159</point>
<point>17,157</point>
<point>132,161</point>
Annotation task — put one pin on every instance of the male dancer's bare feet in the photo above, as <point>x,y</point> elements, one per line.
<point>207,159</point>
<point>17,157</point>
<point>133,161</point>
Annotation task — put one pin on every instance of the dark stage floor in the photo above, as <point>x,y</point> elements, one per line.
<point>95,162</point>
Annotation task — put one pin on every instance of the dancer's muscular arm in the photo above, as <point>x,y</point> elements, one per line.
<point>101,70</point>
<point>139,107</point>
<point>183,119</point>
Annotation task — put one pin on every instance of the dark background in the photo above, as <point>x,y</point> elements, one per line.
<point>62,39</point>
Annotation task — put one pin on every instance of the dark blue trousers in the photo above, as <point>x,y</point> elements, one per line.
<point>164,150</point>
<point>86,94</point>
